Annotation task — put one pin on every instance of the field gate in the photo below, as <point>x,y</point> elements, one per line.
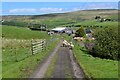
<point>38,46</point>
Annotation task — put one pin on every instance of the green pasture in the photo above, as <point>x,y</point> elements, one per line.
<point>13,32</point>
<point>95,67</point>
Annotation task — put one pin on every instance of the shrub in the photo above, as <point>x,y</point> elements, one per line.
<point>106,43</point>
<point>80,32</point>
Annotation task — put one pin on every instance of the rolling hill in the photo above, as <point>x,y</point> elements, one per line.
<point>60,19</point>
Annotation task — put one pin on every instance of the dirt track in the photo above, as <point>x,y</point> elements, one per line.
<point>65,66</point>
<point>42,68</point>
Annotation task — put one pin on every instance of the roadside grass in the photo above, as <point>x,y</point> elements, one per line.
<point>95,67</point>
<point>14,32</point>
<point>25,67</point>
<point>51,67</point>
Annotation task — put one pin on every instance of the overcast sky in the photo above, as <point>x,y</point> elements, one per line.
<point>37,8</point>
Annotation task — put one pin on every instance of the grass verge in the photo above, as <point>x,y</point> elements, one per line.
<point>24,68</point>
<point>95,67</point>
<point>51,67</point>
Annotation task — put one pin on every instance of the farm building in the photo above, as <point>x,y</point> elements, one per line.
<point>59,29</point>
<point>89,33</point>
<point>63,30</point>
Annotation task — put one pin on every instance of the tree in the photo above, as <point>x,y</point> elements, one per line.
<point>106,43</point>
<point>80,32</point>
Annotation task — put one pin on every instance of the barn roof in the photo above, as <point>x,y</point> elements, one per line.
<point>59,29</point>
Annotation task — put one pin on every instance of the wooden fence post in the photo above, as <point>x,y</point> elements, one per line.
<point>42,45</point>
<point>16,55</point>
<point>32,47</point>
<point>37,46</point>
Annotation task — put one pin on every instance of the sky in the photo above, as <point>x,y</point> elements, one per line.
<point>60,0</point>
<point>38,8</point>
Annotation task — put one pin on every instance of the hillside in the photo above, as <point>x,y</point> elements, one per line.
<point>59,19</point>
<point>13,32</point>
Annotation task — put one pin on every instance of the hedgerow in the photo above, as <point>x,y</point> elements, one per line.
<point>15,23</point>
<point>106,43</point>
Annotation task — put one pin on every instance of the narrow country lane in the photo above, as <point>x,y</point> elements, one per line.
<point>65,65</point>
<point>42,68</point>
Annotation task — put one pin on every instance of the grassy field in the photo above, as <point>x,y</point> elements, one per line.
<point>97,23</point>
<point>25,61</point>
<point>95,67</point>
<point>15,49</point>
<point>13,32</point>
<point>17,58</point>
<point>108,24</point>
<point>25,66</point>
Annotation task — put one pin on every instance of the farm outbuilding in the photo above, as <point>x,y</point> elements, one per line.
<point>59,29</point>
<point>63,30</point>
<point>89,33</point>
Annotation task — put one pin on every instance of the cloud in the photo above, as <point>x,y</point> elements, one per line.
<point>51,10</point>
<point>22,10</point>
<point>42,10</point>
<point>88,6</point>
<point>75,9</point>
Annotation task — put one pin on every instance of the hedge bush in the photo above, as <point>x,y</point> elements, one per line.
<point>15,23</point>
<point>80,32</point>
<point>106,43</point>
